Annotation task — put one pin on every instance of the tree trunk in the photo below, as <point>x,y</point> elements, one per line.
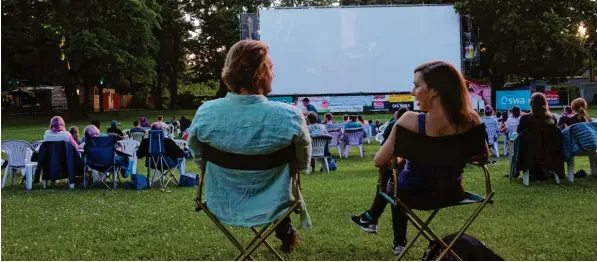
<point>223,90</point>
<point>497,82</point>
<point>157,90</point>
<point>72,99</point>
<point>101,98</point>
<point>173,86</point>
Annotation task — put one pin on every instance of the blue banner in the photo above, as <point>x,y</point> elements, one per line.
<point>507,99</point>
<point>283,99</point>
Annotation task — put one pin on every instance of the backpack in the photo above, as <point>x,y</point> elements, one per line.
<point>188,180</point>
<point>331,164</point>
<point>468,248</point>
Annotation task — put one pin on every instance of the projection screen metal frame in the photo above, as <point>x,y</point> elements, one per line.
<point>462,67</point>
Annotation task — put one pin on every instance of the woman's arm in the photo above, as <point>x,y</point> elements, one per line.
<point>384,155</point>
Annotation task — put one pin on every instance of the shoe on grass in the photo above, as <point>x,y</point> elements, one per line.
<point>397,248</point>
<point>363,222</point>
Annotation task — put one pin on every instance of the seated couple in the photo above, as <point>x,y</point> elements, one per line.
<point>431,149</point>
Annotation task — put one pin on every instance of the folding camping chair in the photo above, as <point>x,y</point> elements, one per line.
<point>100,156</point>
<point>476,135</point>
<point>223,159</point>
<point>158,160</point>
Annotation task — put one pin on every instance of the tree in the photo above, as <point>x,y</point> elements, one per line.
<point>172,35</point>
<point>525,38</point>
<point>105,37</point>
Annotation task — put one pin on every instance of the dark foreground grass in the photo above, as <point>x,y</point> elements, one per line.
<point>544,221</point>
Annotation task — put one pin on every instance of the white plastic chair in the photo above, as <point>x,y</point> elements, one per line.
<point>16,150</point>
<point>591,154</point>
<point>335,142</point>
<point>382,128</point>
<point>492,139</point>
<point>367,132</point>
<point>130,147</point>
<point>355,138</point>
<point>512,126</point>
<point>318,150</point>
<point>184,146</point>
<point>137,136</point>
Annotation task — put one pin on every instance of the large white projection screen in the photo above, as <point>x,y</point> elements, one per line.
<point>357,49</point>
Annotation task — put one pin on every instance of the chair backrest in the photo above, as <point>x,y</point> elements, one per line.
<point>170,128</point>
<point>100,151</point>
<point>181,143</point>
<point>16,150</point>
<point>126,131</point>
<point>156,142</point>
<point>492,134</point>
<point>379,135</point>
<point>335,137</point>
<point>137,136</point>
<point>318,145</point>
<point>355,136</point>
<point>36,144</point>
<point>147,128</point>
<point>129,146</point>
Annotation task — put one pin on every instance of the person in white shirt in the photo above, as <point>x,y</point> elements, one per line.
<point>58,132</point>
<point>489,120</point>
<point>165,126</point>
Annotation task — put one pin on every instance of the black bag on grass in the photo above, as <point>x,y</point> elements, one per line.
<point>468,248</point>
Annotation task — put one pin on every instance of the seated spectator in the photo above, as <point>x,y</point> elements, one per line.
<point>137,128</point>
<point>316,129</point>
<point>373,127</point>
<point>565,115</point>
<point>57,132</point>
<point>513,120</point>
<point>424,182</point>
<point>144,122</point>
<point>346,119</point>
<point>92,131</point>
<point>541,150</point>
<point>329,123</point>
<point>236,124</point>
<point>172,150</point>
<point>489,120</point>
<point>74,131</point>
<point>165,126</point>
<point>113,129</point>
<point>184,123</point>
<point>360,120</point>
<point>579,108</point>
<point>368,220</point>
<point>352,123</point>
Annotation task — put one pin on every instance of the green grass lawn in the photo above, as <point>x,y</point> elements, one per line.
<point>544,221</point>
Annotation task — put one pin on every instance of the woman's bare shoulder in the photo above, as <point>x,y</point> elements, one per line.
<point>409,121</point>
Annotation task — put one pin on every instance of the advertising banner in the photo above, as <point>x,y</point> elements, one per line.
<point>553,98</point>
<point>282,99</point>
<point>398,98</point>
<point>380,98</point>
<point>507,99</point>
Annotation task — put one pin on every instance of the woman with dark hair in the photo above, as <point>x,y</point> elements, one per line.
<point>579,108</point>
<point>564,117</point>
<point>540,113</point>
<point>426,139</point>
<point>368,220</point>
<point>540,150</point>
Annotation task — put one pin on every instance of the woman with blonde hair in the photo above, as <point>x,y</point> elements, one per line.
<point>57,132</point>
<point>579,108</point>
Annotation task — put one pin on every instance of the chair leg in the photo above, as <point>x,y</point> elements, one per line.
<point>465,227</point>
<point>525,177</point>
<point>420,231</point>
<point>346,148</point>
<point>593,163</point>
<point>339,151</point>
<point>268,245</point>
<point>570,165</point>
<point>361,149</point>
<point>556,176</point>
<point>497,149</point>
<point>324,161</point>
<point>29,177</point>
<point>6,171</point>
